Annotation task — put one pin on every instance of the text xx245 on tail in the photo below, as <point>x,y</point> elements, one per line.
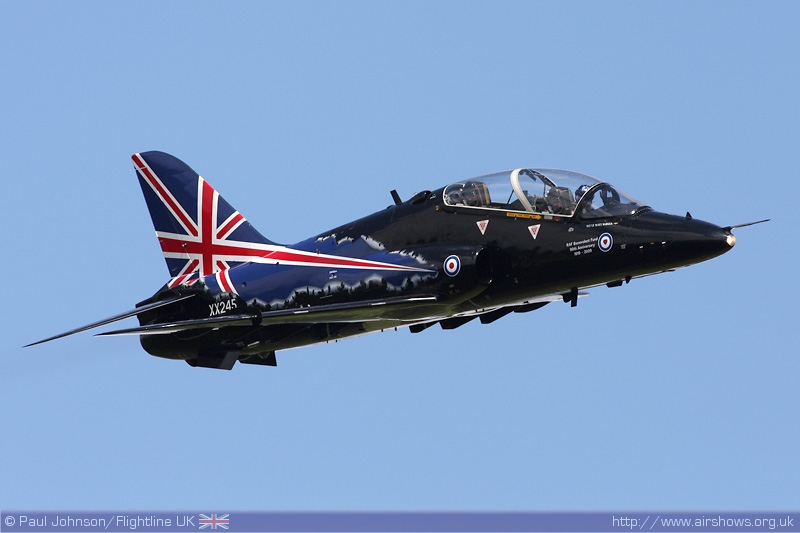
<point>481,248</point>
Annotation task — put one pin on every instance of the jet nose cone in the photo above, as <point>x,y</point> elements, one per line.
<point>684,241</point>
<point>707,239</point>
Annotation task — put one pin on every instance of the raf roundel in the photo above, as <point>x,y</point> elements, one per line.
<point>605,242</point>
<point>452,266</point>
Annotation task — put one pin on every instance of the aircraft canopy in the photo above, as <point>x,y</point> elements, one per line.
<point>542,191</point>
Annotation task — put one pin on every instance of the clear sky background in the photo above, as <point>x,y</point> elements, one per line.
<point>676,392</point>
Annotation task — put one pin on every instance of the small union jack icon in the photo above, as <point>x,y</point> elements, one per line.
<point>214,521</point>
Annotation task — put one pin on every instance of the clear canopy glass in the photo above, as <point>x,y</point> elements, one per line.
<point>544,192</point>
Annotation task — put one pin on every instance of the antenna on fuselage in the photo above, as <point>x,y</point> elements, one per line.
<point>396,197</point>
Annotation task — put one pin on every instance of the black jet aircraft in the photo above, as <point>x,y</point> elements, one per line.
<point>481,248</point>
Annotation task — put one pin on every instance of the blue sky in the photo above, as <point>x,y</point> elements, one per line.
<point>676,392</point>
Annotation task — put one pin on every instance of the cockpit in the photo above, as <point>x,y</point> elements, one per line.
<point>544,192</point>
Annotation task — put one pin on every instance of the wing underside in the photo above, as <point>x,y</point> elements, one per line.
<point>418,312</point>
<point>365,311</point>
<point>397,311</point>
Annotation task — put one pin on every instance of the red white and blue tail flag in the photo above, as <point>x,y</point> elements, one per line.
<point>199,232</point>
<point>202,235</point>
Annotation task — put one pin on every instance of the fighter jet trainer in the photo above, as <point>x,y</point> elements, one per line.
<point>481,248</point>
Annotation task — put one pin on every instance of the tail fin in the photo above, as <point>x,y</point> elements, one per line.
<point>199,232</point>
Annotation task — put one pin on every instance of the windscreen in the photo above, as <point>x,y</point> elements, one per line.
<point>542,191</point>
<point>605,201</point>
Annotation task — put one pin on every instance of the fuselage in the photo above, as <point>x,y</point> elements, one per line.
<point>480,247</point>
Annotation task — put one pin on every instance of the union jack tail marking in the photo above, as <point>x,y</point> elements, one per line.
<point>199,232</point>
<point>202,235</point>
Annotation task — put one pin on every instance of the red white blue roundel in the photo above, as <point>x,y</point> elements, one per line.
<point>605,242</point>
<point>452,265</point>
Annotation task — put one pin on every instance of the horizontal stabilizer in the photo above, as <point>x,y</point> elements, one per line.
<point>121,316</point>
